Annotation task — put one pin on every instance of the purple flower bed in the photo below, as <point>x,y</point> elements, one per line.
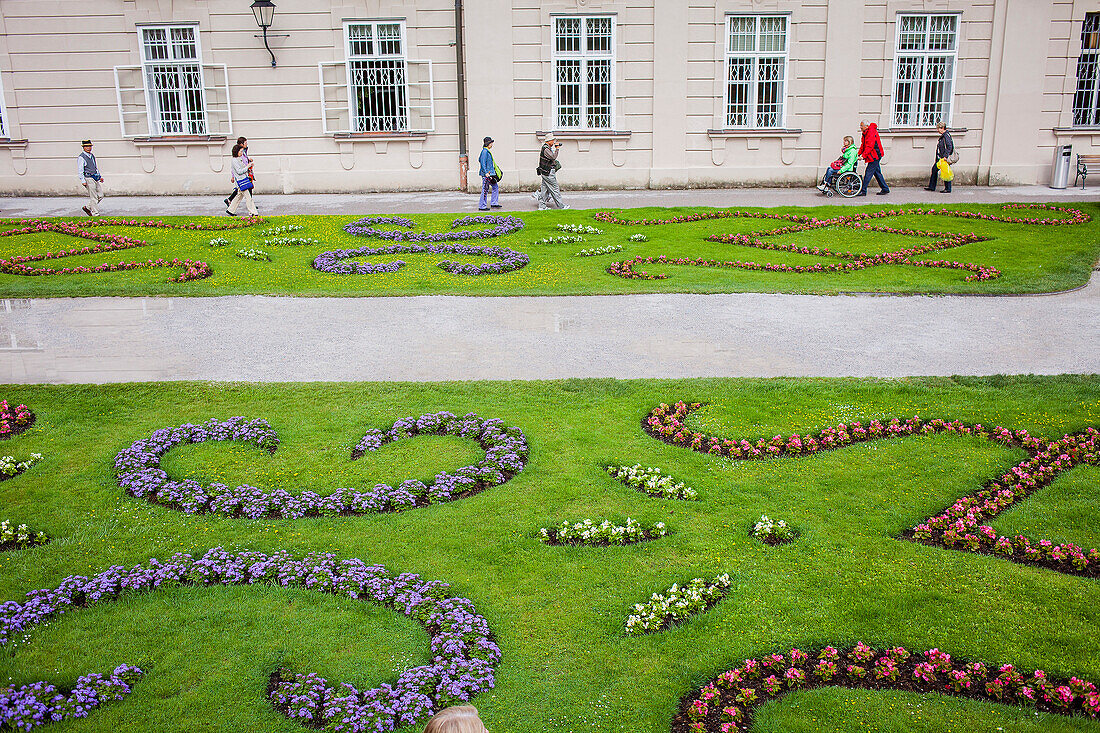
<point>334,261</point>
<point>39,703</point>
<point>464,654</point>
<point>139,472</point>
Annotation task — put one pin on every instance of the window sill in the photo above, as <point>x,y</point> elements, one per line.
<point>379,136</point>
<point>729,132</point>
<point>174,140</point>
<point>8,143</point>
<point>1077,130</point>
<point>919,131</point>
<point>586,134</point>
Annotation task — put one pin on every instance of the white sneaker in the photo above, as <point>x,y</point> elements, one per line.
<point>535,196</point>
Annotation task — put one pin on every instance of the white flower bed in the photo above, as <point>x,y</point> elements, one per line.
<point>254,254</point>
<point>276,231</point>
<point>295,241</point>
<point>772,531</point>
<point>600,251</point>
<point>20,536</point>
<point>219,242</point>
<point>9,466</point>
<point>639,237</point>
<point>676,604</point>
<point>652,481</point>
<point>579,229</point>
<point>586,532</point>
<point>566,239</point>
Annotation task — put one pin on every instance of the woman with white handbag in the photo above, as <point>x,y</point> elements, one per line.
<point>239,171</point>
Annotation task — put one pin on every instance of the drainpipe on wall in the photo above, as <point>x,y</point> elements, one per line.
<point>463,157</point>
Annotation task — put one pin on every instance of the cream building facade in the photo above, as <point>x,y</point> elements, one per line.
<point>369,95</point>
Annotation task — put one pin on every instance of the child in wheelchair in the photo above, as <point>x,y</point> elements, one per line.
<point>846,162</point>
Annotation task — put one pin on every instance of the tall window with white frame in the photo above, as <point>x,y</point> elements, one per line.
<point>173,80</point>
<point>756,71</point>
<point>584,72</point>
<point>3,115</point>
<point>1086,102</point>
<point>378,76</point>
<point>926,51</point>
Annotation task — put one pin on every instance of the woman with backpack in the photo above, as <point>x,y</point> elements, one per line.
<point>945,158</point>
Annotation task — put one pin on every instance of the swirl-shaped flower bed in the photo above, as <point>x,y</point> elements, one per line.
<point>727,702</point>
<point>335,261</point>
<point>464,654</point>
<point>40,703</point>
<point>192,269</point>
<point>139,472</point>
<point>962,525</point>
<point>855,260</point>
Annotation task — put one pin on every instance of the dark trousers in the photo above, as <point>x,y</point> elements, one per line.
<point>934,178</point>
<point>233,194</point>
<point>874,169</point>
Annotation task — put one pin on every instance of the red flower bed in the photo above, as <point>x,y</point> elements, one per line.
<point>192,269</point>
<point>856,260</point>
<point>727,702</point>
<point>963,525</point>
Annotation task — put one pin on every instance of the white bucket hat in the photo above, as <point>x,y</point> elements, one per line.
<point>549,137</point>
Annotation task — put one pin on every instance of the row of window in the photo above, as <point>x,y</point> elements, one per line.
<point>376,93</point>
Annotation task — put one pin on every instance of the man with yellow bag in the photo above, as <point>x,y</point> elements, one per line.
<point>945,158</point>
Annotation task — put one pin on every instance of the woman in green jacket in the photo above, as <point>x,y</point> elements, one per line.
<point>848,157</point>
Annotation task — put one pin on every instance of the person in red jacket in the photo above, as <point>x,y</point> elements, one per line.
<point>870,149</point>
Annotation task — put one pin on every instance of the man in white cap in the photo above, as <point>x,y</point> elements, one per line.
<point>87,171</point>
<point>549,195</point>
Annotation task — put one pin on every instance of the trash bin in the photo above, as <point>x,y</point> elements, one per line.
<point>1059,169</point>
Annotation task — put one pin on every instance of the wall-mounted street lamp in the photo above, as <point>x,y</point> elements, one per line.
<point>264,10</point>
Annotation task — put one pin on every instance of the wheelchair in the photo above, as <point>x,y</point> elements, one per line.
<point>847,184</point>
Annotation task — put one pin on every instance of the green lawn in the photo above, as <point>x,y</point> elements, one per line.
<point>558,612</point>
<point>1031,258</point>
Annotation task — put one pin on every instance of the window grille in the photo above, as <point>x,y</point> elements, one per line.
<point>584,72</point>
<point>756,71</point>
<point>378,77</point>
<point>1086,101</point>
<point>172,67</point>
<point>926,51</point>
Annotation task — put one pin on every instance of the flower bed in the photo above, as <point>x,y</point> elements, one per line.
<point>599,251</point>
<point>284,229</point>
<point>254,254</point>
<point>728,701</point>
<point>855,260</point>
<point>651,481</point>
<point>192,269</point>
<point>14,421</point>
<point>502,225</point>
<point>772,532</point>
<point>961,526</point>
<point>676,604</point>
<point>139,472</point>
<point>639,237</point>
<point>19,537</point>
<point>10,467</point>
<point>561,239</point>
<point>510,259</point>
<point>586,532</point>
<point>579,229</point>
<point>219,242</point>
<point>40,703</point>
<point>290,241</point>
<point>464,654</point>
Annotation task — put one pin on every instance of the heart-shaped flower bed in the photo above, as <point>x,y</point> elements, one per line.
<point>139,471</point>
<point>464,654</point>
<point>335,261</point>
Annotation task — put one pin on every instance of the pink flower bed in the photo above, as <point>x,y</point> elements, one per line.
<point>963,525</point>
<point>727,702</point>
<point>14,421</point>
<point>192,269</point>
<point>855,260</point>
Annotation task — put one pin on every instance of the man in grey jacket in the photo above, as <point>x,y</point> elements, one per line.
<point>87,171</point>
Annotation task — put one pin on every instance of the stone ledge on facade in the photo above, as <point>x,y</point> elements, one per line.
<point>9,144</point>
<point>919,131</point>
<point>1069,131</point>
<point>371,137</point>
<point>173,140</point>
<point>586,134</point>
<point>754,132</point>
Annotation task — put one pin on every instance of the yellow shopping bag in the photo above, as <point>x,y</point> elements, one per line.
<point>945,170</point>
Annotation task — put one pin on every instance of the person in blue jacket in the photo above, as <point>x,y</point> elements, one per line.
<point>490,177</point>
